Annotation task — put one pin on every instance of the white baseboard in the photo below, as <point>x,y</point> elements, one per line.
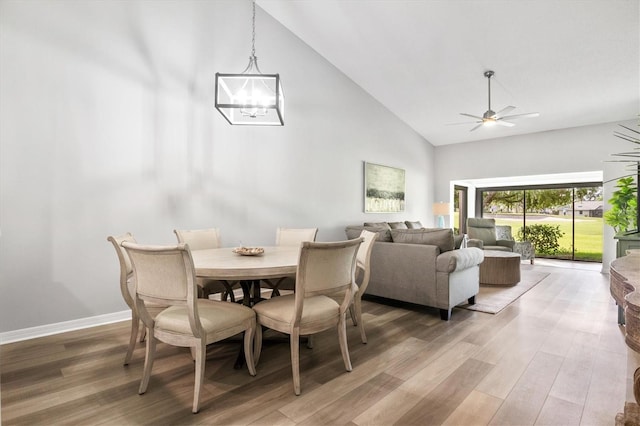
<point>62,327</point>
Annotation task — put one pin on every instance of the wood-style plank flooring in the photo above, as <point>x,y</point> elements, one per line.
<point>554,357</point>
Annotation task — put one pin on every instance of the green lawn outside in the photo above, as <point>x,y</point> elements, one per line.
<point>588,234</point>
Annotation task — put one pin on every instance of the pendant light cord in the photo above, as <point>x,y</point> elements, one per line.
<point>253,60</point>
<point>253,34</point>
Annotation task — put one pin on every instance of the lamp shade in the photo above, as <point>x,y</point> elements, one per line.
<point>250,99</point>
<point>440,209</point>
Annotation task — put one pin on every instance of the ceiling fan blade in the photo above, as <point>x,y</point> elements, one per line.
<point>505,110</point>
<point>501,122</point>
<point>463,122</point>
<point>472,116</point>
<point>479,125</point>
<point>527,115</point>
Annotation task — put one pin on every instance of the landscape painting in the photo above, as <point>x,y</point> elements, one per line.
<point>384,188</point>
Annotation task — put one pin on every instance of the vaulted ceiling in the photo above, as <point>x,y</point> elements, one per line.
<point>576,62</point>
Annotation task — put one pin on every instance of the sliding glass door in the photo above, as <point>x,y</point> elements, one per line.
<point>564,222</point>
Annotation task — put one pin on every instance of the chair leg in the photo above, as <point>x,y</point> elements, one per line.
<point>357,307</point>
<point>148,362</point>
<point>295,359</point>
<point>248,348</point>
<point>310,341</point>
<point>352,313</point>
<point>342,338</point>
<point>257,344</point>
<point>201,358</point>
<point>143,333</point>
<point>135,324</point>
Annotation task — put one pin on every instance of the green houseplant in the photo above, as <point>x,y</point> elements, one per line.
<point>624,206</point>
<point>624,214</point>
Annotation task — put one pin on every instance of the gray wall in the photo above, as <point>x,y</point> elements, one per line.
<point>108,126</point>
<point>580,149</point>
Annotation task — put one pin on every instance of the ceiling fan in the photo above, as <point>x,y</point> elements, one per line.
<point>490,117</point>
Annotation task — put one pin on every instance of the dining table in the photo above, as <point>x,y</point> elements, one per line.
<point>224,264</point>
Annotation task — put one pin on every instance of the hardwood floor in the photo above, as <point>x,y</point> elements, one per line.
<point>553,357</point>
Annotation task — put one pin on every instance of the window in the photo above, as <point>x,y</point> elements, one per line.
<point>564,221</point>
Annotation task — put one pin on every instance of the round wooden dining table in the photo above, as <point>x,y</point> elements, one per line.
<point>225,265</point>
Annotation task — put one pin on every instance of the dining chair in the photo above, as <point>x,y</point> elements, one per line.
<point>289,237</point>
<point>127,289</point>
<point>165,274</point>
<point>363,272</point>
<point>324,270</point>
<point>202,239</point>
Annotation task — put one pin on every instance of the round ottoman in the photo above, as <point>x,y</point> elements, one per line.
<point>500,268</point>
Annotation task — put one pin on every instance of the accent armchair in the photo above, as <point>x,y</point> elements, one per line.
<point>482,234</point>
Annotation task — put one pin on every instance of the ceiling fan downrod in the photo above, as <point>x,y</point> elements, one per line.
<point>489,113</point>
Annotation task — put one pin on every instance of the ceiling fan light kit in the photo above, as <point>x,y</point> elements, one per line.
<point>490,117</point>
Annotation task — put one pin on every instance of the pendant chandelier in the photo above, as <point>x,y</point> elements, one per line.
<point>251,97</point>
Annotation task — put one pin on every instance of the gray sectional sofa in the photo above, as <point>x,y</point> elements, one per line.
<point>421,266</point>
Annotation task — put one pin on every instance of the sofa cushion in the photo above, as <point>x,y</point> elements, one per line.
<point>443,238</point>
<point>355,231</point>
<point>413,225</point>
<point>397,225</point>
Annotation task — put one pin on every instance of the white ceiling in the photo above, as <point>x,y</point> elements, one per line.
<point>576,62</point>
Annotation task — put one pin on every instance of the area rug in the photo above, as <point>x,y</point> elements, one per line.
<point>492,299</point>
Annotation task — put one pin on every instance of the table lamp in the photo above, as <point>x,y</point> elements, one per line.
<point>441,209</point>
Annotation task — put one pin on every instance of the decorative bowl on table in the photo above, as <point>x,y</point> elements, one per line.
<point>248,251</point>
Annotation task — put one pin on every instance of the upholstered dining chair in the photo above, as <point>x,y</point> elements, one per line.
<point>202,239</point>
<point>165,274</point>
<point>295,236</point>
<point>291,237</point>
<point>127,289</point>
<point>363,271</point>
<point>324,270</point>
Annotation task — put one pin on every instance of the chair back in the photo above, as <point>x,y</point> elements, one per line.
<point>163,274</point>
<point>363,258</point>
<point>482,229</point>
<point>199,239</point>
<point>127,285</point>
<point>326,268</point>
<point>294,237</point>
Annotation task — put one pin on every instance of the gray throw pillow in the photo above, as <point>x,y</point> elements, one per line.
<point>384,225</point>
<point>413,225</point>
<point>384,234</point>
<point>443,238</point>
<point>457,240</point>
<point>397,225</point>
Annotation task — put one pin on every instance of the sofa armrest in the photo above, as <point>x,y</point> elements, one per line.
<point>506,243</point>
<point>472,242</point>
<point>458,260</point>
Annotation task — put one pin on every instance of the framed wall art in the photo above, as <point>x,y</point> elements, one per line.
<point>384,189</point>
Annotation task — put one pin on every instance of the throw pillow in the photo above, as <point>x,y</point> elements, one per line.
<point>413,225</point>
<point>384,234</point>
<point>457,240</point>
<point>443,238</point>
<point>503,232</point>
<point>397,225</point>
<point>384,225</point>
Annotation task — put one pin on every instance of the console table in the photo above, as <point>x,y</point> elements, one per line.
<point>624,280</point>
